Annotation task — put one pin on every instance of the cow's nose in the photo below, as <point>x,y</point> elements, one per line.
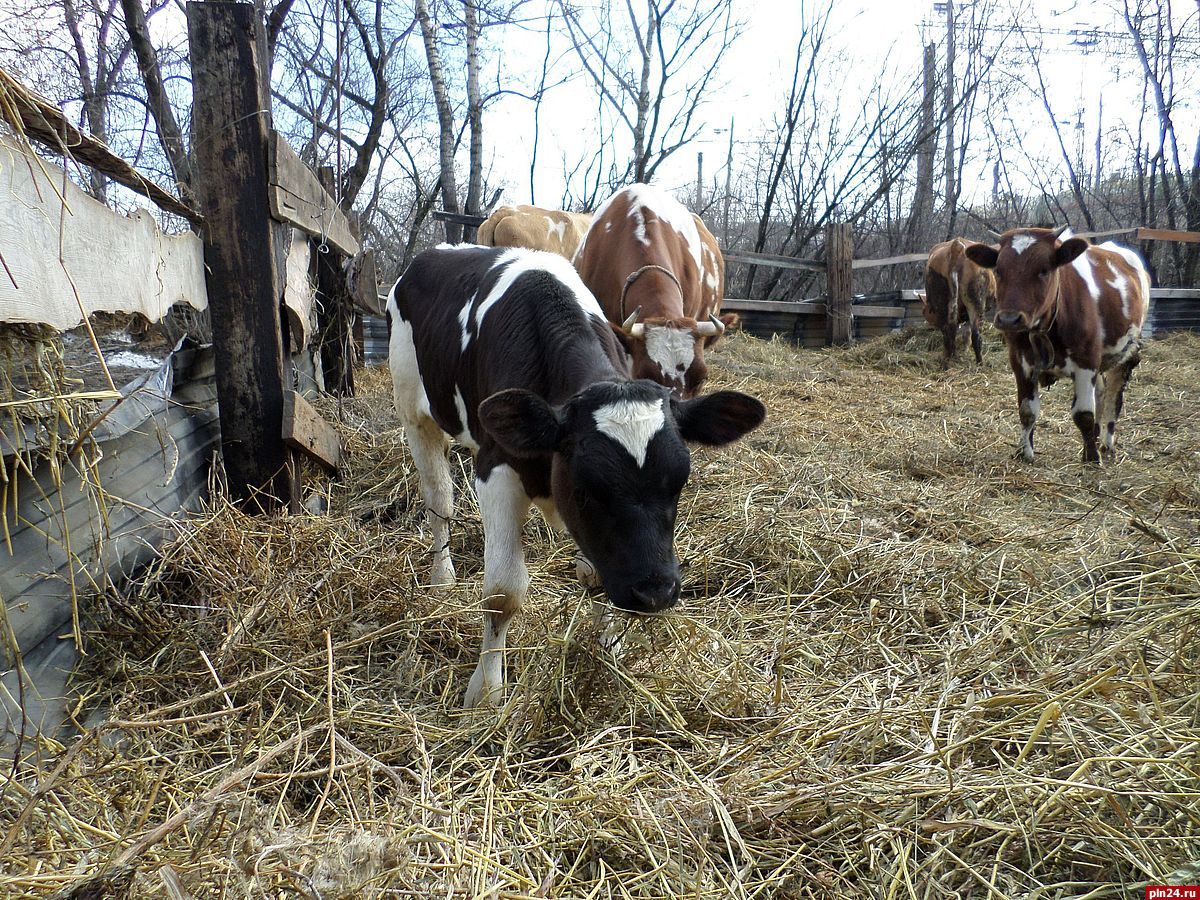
<point>657,594</point>
<point>1009,321</point>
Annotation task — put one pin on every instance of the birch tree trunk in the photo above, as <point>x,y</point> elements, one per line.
<point>447,181</point>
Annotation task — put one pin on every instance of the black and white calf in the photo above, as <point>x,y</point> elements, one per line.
<point>507,351</point>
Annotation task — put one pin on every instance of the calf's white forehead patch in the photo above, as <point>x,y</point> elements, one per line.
<point>632,424</point>
<point>1022,242</point>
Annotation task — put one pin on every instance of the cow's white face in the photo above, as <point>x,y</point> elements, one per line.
<point>620,462</point>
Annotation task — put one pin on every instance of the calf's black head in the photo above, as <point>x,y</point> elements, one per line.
<point>620,462</point>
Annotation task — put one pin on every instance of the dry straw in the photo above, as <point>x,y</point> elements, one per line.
<point>907,666</point>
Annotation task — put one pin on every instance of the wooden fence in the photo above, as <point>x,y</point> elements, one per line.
<point>840,317</point>
<point>271,265</point>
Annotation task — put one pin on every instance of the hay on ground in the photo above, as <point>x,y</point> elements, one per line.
<point>907,665</point>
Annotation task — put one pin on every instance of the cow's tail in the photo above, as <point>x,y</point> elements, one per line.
<point>954,272</point>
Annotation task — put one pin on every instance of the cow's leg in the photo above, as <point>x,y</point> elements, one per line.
<point>610,626</point>
<point>427,443</point>
<point>1113,398</point>
<point>1083,411</point>
<point>950,338</point>
<point>429,447</point>
<point>974,316</point>
<point>504,506</point>
<point>1028,402</point>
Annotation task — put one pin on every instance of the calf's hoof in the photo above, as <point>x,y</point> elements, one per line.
<point>443,577</point>
<point>480,693</point>
<point>586,572</point>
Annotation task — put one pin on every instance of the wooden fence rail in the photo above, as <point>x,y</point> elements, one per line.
<point>839,266</point>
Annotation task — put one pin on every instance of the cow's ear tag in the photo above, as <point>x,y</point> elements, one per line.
<point>521,422</point>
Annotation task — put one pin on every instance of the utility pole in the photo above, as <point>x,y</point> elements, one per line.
<point>699,181</point>
<point>922,210</point>
<point>948,114</point>
<point>728,175</point>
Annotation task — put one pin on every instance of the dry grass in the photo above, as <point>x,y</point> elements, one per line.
<point>907,666</point>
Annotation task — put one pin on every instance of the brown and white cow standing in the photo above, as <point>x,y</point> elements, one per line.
<point>534,228</point>
<point>956,289</point>
<point>1068,309</point>
<point>659,275</point>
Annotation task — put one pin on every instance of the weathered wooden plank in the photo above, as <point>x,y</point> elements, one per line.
<point>366,284</point>
<point>306,431</point>
<point>1108,233</point>
<point>297,197</point>
<point>45,123</point>
<point>810,308</point>
<point>230,136</point>
<point>1163,234</point>
<point>458,218</point>
<point>1175,293</point>
<point>795,307</point>
<point>770,260</point>
<point>889,261</point>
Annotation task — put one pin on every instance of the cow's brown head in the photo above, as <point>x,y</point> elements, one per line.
<point>1026,266</point>
<point>671,351</point>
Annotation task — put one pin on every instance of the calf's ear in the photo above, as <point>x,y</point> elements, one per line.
<point>1068,251</point>
<point>718,418</point>
<point>522,423</point>
<point>983,255</point>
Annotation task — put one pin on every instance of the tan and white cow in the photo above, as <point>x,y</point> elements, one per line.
<point>534,228</point>
<point>659,275</point>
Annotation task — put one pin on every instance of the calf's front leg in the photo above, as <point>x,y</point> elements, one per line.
<point>504,507</point>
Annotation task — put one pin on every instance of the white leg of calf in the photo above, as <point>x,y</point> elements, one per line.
<point>504,506</point>
<point>549,511</point>
<point>586,572</point>
<point>426,442</point>
<point>428,445</point>
<point>610,626</point>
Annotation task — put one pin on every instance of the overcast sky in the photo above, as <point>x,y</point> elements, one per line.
<point>755,77</point>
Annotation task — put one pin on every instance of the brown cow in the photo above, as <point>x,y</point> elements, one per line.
<point>1068,309</point>
<point>956,289</point>
<point>659,275</point>
<point>534,228</point>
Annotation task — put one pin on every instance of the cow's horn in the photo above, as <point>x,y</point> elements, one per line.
<point>713,326</point>
<point>638,330</point>
<point>1059,232</point>
<point>995,234</point>
<point>628,325</point>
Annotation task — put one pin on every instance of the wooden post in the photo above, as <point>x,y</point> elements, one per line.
<point>839,256</point>
<point>335,315</point>
<point>230,126</point>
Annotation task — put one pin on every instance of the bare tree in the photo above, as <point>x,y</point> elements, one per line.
<point>653,73</point>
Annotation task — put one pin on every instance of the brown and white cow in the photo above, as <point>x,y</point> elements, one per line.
<point>659,275</point>
<point>956,290</point>
<point>1068,309</point>
<point>508,351</point>
<point>534,228</point>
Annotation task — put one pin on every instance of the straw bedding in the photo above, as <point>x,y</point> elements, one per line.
<point>907,665</point>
